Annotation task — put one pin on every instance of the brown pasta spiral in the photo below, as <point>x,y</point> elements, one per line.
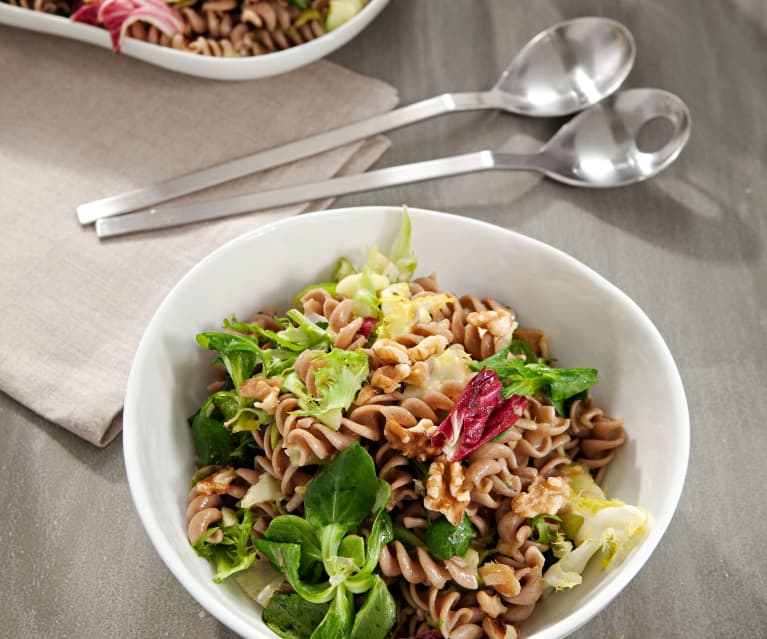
<point>599,436</point>
<point>277,463</point>
<point>308,439</point>
<point>222,489</point>
<point>478,344</point>
<point>339,315</point>
<point>393,467</point>
<point>57,7</point>
<point>455,617</point>
<point>420,567</point>
<point>239,28</point>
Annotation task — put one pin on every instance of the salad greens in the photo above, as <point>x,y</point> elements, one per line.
<point>214,443</point>
<point>233,554</point>
<point>292,617</point>
<point>248,349</point>
<point>536,379</point>
<point>344,495</point>
<point>593,524</point>
<point>444,540</point>
<point>338,376</point>
<point>341,11</point>
<point>545,528</point>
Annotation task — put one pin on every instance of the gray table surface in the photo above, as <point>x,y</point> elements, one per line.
<point>689,247</point>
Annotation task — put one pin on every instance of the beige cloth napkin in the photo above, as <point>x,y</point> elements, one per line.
<point>78,123</point>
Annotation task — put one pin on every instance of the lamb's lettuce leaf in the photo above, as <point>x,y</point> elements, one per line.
<point>539,380</point>
<point>377,615</point>
<point>343,492</point>
<point>446,541</point>
<point>292,617</point>
<point>341,498</point>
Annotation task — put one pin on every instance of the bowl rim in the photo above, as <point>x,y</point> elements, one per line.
<point>601,599</point>
<point>211,67</point>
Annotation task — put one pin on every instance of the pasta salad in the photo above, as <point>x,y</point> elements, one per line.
<point>220,28</point>
<point>388,459</point>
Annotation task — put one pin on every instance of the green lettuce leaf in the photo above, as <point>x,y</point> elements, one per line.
<point>343,268</point>
<point>215,443</point>
<point>299,334</point>
<point>539,380</point>
<point>338,620</point>
<point>338,377</point>
<point>545,528</point>
<point>521,347</point>
<point>401,254</point>
<point>446,541</point>
<point>377,615</point>
<point>234,553</point>
<point>343,492</point>
<point>212,440</point>
<point>608,526</point>
<point>291,617</point>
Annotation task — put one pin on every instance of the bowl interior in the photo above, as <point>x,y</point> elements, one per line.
<point>589,323</point>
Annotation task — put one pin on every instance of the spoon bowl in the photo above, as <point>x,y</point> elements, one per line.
<point>567,68</point>
<point>599,147</point>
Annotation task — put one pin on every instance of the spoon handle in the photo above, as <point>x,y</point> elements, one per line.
<point>233,169</point>
<point>169,216</point>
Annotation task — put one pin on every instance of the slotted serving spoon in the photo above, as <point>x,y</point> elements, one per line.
<point>597,148</point>
<point>562,70</point>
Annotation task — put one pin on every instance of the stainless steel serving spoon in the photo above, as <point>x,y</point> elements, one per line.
<point>597,148</point>
<point>563,69</point>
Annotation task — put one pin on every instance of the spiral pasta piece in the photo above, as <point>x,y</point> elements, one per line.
<point>420,567</point>
<point>56,7</point>
<point>600,436</point>
<point>454,618</point>
<point>278,464</point>
<point>219,491</point>
<point>319,304</point>
<point>394,468</point>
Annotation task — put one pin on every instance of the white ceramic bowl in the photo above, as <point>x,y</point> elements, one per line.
<point>248,68</point>
<point>589,322</point>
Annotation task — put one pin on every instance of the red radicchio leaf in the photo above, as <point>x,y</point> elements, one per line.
<point>117,15</point>
<point>479,414</point>
<point>367,326</point>
<point>87,13</point>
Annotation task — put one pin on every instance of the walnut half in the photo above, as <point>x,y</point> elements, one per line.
<point>544,496</point>
<point>414,442</point>
<point>447,491</point>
